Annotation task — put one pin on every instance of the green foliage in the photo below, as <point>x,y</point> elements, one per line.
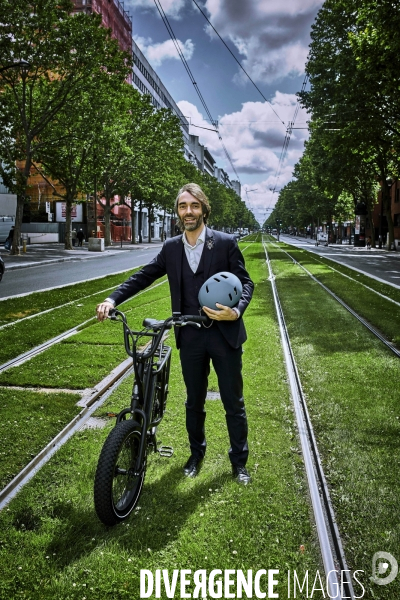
<point>64,53</point>
<point>354,106</point>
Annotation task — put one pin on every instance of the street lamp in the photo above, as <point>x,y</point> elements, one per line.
<point>18,64</point>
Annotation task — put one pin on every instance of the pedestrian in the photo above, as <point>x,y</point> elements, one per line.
<point>368,243</point>
<point>81,236</point>
<point>73,236</point>
<point>9,240</point>
<point>189,260</point>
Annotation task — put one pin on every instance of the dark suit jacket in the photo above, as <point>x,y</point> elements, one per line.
<point>221,253</point>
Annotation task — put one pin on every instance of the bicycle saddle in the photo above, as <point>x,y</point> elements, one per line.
<point>153,323</point>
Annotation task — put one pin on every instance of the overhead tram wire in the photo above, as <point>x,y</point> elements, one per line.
<point>192,79</point>
<point>287,138</point>
<point>238,62</point>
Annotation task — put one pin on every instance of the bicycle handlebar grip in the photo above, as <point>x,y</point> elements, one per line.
<point>195,318</point>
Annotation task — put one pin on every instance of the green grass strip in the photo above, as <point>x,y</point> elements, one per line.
<point>83,359</point>
<point>22,337</point>
<point>28,421</point>
<point>14,309</point>
<point>350,381</point>
<point>53,546</point>
<point>381,313</point>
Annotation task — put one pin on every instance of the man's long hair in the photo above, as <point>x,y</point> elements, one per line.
<point>198,193</point>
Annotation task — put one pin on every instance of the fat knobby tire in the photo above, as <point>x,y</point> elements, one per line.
<point>116,495</point>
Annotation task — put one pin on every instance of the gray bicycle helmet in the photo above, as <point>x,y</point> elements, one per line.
<point>224,288</point>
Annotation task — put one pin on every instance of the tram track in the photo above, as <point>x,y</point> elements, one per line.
<point>367,287</point>
<point>363,321</point>
<point>332,553</point>
<point>98,396</point>
<point>49,310</point>
<point>29,354</point>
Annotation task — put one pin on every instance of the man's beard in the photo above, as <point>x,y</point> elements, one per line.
<point>192,226</point>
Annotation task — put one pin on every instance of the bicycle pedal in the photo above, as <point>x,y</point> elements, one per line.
<point>165,451</point>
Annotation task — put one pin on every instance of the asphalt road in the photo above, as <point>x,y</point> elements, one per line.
<point>379,264</point>
<point>39,276</point>
<point>50,267</point>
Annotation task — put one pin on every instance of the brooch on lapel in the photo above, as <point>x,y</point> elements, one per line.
<point>210,243</point>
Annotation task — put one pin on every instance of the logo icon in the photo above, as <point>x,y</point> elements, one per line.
<point>380,565</point>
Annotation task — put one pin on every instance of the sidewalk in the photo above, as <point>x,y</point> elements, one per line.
<point>346,247</point>
<point>53,252</point>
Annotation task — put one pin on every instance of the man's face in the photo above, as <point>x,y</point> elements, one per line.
<point>190,211</point>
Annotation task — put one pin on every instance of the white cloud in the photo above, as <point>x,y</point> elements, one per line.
<point>157,53</point>
<point>272,35</point>
<point>254,139</point>
<point>171,7</point>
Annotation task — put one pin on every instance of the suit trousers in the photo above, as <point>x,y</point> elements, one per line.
<point>197,348</point>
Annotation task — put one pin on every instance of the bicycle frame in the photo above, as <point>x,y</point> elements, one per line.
<point>151,366</point>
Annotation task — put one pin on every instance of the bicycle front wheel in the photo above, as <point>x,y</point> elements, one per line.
<point>117,487</point>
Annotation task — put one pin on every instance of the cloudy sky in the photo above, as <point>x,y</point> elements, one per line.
<point>270,39</point>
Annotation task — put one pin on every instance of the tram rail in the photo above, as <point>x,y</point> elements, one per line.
<point>99,395</point>
<point>25,356</point>
<point>363,321</point>
<point>331,546</point>
<point>330,542</point>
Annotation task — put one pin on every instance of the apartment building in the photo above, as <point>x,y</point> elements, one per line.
<point>114,17</point>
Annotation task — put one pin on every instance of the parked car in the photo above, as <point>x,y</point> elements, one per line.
<point>322,238</point>
<point>2,268</point>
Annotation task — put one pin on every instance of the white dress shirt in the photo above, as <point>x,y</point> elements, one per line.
<point>193,253</point>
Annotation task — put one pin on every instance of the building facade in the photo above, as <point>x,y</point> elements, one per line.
<point>113,16</point>
<point>146,81</point>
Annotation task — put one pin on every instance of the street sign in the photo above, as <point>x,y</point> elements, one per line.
<point>48,208</point>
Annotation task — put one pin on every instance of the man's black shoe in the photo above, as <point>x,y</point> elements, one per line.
<point>192,466</point>
<point>241,474</point>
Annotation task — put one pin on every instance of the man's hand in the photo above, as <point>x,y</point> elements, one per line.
<point>225,314</point>
<point>103,309</point>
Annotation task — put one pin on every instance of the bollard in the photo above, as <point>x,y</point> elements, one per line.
<point>24,246</point>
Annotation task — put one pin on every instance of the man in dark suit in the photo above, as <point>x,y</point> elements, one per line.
<point>189,260</point>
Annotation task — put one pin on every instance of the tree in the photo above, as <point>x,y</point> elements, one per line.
<point>139,156</point>
<point>63,52</point>
<point>345,93</point>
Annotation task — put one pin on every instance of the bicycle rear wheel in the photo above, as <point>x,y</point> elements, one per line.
<point>117,487</point>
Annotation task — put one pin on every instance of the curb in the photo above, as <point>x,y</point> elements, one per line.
<point>87,256</point>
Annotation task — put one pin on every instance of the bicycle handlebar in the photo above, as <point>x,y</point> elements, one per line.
<point>157,327</point>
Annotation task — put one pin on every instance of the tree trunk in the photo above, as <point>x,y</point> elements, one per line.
<point>387,207</point>
<point>390,228</point>
<point>18,222</point>
<point>133,222</point>
<point>68,224</point>
<point>163,232</point>
<point>21,199</point>
<point>107,222</point>
<point>371,220</point>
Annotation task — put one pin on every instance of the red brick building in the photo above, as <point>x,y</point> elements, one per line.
<point>380,220</point>
<point>114,17</point>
